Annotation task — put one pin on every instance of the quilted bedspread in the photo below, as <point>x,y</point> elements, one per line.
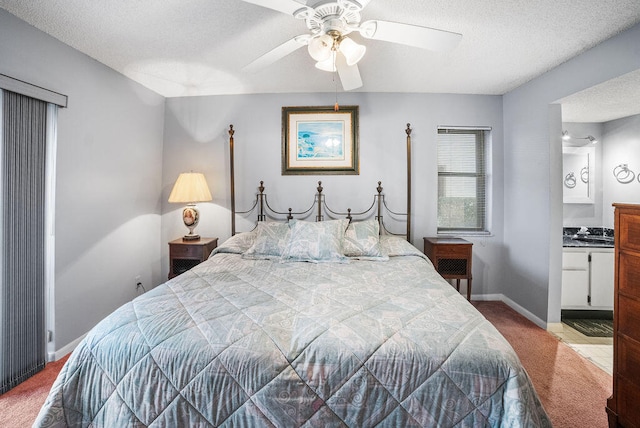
<point>254,343</point>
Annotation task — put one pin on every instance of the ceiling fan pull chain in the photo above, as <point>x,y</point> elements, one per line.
<point>336,107</point>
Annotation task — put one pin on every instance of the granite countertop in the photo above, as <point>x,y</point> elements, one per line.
<point>599,237</point>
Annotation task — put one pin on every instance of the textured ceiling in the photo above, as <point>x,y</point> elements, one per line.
<point>610,100</point>
<point>198,47</point>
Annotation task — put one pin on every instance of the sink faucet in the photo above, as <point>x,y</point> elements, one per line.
<point>583,231</point>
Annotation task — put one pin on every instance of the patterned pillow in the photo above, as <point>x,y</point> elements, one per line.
<point>237,244</point>
<point>316,241</point>
<point>362,241</point>
<point>397,246</point>
<point>271,240</point>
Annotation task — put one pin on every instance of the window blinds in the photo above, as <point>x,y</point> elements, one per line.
<point>22,228</point>
<point>461,180</point>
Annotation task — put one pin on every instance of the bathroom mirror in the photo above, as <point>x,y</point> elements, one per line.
<point>578,166</point>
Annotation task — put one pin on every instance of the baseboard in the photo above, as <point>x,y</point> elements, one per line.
<point>487,297</point>
<point>69,347</point>
<point>513,305</point>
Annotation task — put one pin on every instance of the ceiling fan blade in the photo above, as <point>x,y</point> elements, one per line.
<point>349,74</point>
<point>277,53</point>
<point>285,6</point>
<point>411,35</point>
<point>363,3</point>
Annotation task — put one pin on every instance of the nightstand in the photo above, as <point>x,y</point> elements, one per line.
<point>451,258</point>
<point>183,255</point>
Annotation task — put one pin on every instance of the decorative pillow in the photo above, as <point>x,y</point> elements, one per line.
<point>271,240</point>
<point>316,241</point>
<point>397,246</point>
<point>237,244</point>
<point>362,241</point>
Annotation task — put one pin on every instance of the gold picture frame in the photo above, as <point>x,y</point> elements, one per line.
<point>320,140</point>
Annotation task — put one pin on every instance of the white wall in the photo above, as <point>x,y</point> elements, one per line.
<point>590,215</point>
<point>196,139</point>
<point>533,170</point>
<point>109,168</point>
<point>622,145</point>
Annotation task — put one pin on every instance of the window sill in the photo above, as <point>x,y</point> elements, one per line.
<point>465,233</point>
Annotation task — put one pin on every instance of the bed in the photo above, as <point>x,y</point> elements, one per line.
<point>298,323</point>
<point>252,341</point>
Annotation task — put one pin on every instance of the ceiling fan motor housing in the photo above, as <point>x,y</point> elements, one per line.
<point>342,16</point>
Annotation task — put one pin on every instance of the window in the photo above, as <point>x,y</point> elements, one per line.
<point>462,180</point>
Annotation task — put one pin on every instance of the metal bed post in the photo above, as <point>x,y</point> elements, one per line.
<point>261,214</point>
<point>319,188</point>
<point>233,190</point>
<point>408,131</point>
<point>380,202</point>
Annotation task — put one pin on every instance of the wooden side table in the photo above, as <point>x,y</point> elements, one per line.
<point>451,258</point>
<point>183,255</point>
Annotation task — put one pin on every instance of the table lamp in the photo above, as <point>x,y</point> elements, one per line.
<point>190,187</point>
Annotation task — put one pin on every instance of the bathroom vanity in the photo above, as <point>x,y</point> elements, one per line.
<point>588,270</point>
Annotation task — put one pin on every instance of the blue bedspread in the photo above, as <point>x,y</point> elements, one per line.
<point>238,342</point>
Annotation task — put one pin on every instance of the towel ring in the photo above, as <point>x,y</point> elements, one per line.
<point>623,174</point>
<point>584,174</point>
<point>570,180</point>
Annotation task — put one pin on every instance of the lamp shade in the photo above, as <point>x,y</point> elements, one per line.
<point>190,187</point>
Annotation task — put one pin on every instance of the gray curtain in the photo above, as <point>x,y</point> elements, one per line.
<point>22,256</point>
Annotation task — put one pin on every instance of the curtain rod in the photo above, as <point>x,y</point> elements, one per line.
<point>33,91</point>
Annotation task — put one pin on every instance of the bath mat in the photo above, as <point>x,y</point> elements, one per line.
<point>592,327</point>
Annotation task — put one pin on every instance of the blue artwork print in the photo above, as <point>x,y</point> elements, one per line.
<point>320,140</point>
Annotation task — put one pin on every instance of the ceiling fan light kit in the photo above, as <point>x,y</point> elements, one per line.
<point>328,64</point>
<point>352,51</point>
<point>330,21</point>
<point>320,47</point>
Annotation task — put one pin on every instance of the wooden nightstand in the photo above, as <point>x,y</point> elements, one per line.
<point>451,258</point>
<point>183,255</point>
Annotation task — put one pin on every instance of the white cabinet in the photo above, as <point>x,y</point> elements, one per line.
<point>602,276</point>
<point>575,279</point>
<point>587,278</point>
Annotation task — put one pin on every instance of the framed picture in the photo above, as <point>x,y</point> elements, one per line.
<point>320,140</point>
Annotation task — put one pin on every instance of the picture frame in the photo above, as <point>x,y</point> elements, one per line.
<point>320,140</point>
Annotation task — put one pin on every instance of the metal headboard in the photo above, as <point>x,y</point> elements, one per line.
<point>264,211</point>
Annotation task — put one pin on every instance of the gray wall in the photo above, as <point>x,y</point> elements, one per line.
<point>621,141</point>
<point>109,169</point>
<point>533,163</point>
<point>196,139</point>
<point>618,143</point>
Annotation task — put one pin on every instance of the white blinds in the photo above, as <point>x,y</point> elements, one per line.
<point>461,180</point>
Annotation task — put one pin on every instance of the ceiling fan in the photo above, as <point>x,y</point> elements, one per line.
<point>329,23</point>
